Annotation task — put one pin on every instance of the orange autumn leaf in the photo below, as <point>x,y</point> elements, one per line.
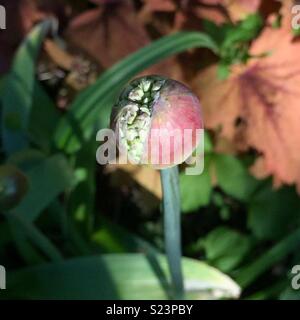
<point>109,32</point>
<point>144,176</point>
<point>258,106</point>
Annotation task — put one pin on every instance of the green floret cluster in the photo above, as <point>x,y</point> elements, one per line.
<point>134,118</point>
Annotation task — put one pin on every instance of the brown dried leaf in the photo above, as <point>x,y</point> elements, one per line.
<point>108,33</point>
<point>258,106</point>
<point>147,178</point>
<point>59,56</point>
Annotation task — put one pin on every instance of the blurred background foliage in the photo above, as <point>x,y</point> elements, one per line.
<point>70,228</point>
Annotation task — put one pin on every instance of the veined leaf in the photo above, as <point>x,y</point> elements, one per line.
<point>116,276</point>
<point>257,107</point>
<point>93,105</point>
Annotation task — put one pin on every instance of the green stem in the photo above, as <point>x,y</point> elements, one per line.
<point>172,228</point>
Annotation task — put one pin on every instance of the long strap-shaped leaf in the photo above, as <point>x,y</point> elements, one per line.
<point>97,99</point>
<point>172,228</point>
<point>18,90</point>
<point>115,276</point>
<point>278,252</point>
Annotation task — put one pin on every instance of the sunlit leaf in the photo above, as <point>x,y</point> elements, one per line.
<point>116,276</point>
<point>257,106</point>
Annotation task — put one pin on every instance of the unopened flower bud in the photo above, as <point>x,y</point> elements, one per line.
<point>156,121</point>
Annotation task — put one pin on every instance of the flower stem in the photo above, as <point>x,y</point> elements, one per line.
<point>172,229</point>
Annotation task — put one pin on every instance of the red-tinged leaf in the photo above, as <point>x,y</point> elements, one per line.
<point>180,14</point>
<point>108,33</point>
<point>113,31</point>
<point>258,106</point>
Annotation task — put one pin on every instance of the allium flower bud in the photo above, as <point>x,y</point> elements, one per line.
<point>156,121</point>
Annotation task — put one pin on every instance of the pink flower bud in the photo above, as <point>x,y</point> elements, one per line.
<point>156,121</point>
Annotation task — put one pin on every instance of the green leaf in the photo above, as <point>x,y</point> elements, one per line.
<point>18,94</point>
<point>233,177</point>
<point>208,144</point>
<point>27,159</point>
<point>116,276</point>
<point>2,84</point>
<point>278,252</point>
<point>273,214</point>
<point>93,106</point>
<point>112,238</point>
<point>247,30</point>
<point>271,292</point>
<point>44,118</point>
<point>28,230</point>
<point>225,248</point>
<point>5,234</point>
<point>290,294</point>
<point>195,190</point>
<point>46,181</point>
<point>25,249</point>
<point>81,202</point>
<point>48,177</point>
